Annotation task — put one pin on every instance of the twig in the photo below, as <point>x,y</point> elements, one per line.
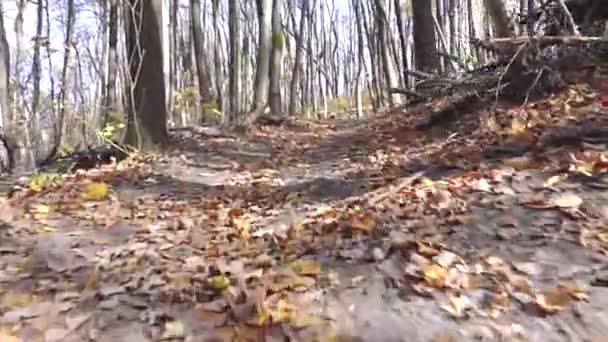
<point>406,92</point>
<point>502,75</point>
<point>540,73</point>
<point>546,40</point>
<point>569,18</point>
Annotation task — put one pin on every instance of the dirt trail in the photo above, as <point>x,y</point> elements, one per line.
<point>418,239</point>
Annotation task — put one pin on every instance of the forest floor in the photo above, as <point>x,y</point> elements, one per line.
<point>492,227</point>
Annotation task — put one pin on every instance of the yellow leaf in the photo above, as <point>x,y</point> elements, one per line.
<point>282,312</point>
<point>260,318</point>
<point>567,200</point>
<point>306,267</point>
<point>95,191</point>
<point>518,126</point>
<point>426,182</point>
<point>14,299</point>
<point>554,180</point>
<point>292,196</point>
<point>7,336</point>
<point>218,283</point>
<point>519,163</point>
<point>435,275</point>
<point>43,209</point>
<point>303,320</point>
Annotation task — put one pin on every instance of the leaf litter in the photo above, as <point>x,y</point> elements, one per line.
<point>214,258</point>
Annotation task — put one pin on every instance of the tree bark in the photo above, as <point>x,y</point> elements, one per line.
<point>7,161</point>
<point>260,88</point>
<point>204,78</point>
<point>147,111</point>
<point>295,74</point>
<point>425,47</point>
<point>276,60</point>
<point>234,84</point>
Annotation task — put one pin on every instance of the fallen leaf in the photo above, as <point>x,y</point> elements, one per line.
<point>303,320</point>
<point>95,191</point>
<point>567,200</point>
<point>435,275</point>
<point>458,306</point>
<point>7,336</point>
<point>364,223</point>
<point>174,330</point>
<point>426,249</point>
<point>446,259</point>
<point>426,182</point>
<point>306,267</point>
<point>552,302</point>
<point>554,180</point>
<point>43,209</point>
<point>210,318</point>
<point>218,283</point>
<point>482,185</point>
<point>558,298</point>
<point>519,163</point>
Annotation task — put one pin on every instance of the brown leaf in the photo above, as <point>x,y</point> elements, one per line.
<point>364,223</point>
<point>426,249</point>
<point>560,297</point>
<point>210,318</point>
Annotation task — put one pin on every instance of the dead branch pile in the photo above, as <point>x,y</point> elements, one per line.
<point>523,67</point>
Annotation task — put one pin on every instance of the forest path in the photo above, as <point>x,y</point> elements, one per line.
<point>331,231</point>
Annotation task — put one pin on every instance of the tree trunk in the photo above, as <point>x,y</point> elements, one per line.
<point>204,78</point>
<point>147,111</point>
<point>503,25</point>
<point>111,103</point>
<point>425,47</point>
<point>59,124</point>
<point>7,162</point>
<point>400,15</point>
<point>295,74</point>
<point>234,84</point>
<point>262,72</point>
<point>276,60</point>
<point>387,63</point>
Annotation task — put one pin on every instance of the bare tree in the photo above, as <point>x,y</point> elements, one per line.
<point>276,60</point>
<point>59,122</point>
<point>204,78</point>
<point>6,150</point>
<point>234,86</point>
<point>262,72</point>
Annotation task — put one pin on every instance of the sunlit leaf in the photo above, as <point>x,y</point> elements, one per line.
<point>218,283</point>
<point>567,200</point>
<point>95,191</point>
<point>306,267</point>
<point>435,275</point>
<point>459,304</point>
